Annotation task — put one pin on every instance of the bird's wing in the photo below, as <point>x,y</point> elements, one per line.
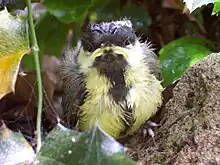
<point>151,60</point>
<point>74,88</point>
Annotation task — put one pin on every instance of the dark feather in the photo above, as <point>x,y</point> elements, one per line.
<point>6,2</point>
<point>74,87</point>
<point>114,33</point>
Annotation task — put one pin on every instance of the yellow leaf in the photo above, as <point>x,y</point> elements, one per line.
<point>9,71</point>
<point>13,46</point>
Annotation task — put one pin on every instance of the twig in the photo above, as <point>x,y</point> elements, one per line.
<point>35,51</point>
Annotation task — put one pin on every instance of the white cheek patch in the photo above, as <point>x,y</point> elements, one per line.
<point>85,61</point>
<point>135,55</point>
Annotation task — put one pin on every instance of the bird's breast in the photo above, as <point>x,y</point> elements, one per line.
<point>100,107</point>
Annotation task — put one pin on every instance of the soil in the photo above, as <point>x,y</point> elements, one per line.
<point>190,131</point>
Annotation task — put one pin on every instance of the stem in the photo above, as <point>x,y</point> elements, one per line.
<point>35,51</point>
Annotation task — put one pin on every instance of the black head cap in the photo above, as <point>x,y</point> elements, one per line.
<point>119,33</point>
<point>6,2</point>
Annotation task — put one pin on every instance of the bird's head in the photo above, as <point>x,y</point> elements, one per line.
<point>109,47</point>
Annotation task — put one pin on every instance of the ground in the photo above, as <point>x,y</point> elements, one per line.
<point>190,130</point>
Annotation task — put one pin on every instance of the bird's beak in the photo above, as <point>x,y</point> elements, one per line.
<point>115,49</point>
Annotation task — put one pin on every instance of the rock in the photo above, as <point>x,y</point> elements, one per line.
<point>190,131</point>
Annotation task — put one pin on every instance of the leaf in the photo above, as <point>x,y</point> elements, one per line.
<point>108,13</point>
<point>14,44</point>
<point>64,146</point>
<point>138,16</point>
<point>216,8</point>
<point>179,55</point>
<point>14,148</point>
<point>194,4</point>
<point>68,11</point>
<point>51,35</point>
<point>72,11</point>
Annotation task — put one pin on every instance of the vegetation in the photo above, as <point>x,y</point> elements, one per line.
<point>33,36</point>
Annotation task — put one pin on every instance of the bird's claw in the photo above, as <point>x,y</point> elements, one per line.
<point>148,129</point>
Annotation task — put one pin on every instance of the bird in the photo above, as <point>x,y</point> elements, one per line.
<point>110,80</point>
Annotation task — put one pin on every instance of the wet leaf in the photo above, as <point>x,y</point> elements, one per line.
<point>14,44</point>
<point>138,16</point>
<point>216,8</point>
<point>194,4</point>
<point>179,55</point>
<point>65,146</point>
<point>72,11</point>
<point>14,148</point>
<point>51,34</point>
<point>108,13</point>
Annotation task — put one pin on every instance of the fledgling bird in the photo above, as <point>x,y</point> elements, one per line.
<point>109,80</point>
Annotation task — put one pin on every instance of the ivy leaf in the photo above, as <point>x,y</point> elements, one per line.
<point>108,13</point>
<point>14,44</point>
<point>72,11</point>
<point>177,56</point>
<point>51,34</point>
<point>64,146</point>
<point>14,148</point>
<point>194,4</point>
<point>138,16</point>
<point>216,8</point>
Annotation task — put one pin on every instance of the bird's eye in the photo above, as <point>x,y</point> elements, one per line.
<point>89,48</point>
<point>87,45</point>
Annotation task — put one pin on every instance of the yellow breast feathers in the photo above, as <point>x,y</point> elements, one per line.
<point>99,108</point>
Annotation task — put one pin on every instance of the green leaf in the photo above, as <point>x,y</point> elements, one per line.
<point>194,4</point>
<point>51,35</point>
<point>72,11</point>
<point>179,55</point>
<point>108,13</point>
<point>138,16</point>
<point>66,10</point>
<point>14,149</point>
<point>216,8</point>
<point>64,146</point>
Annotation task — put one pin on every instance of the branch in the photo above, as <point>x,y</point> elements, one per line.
<point>35,51</point>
